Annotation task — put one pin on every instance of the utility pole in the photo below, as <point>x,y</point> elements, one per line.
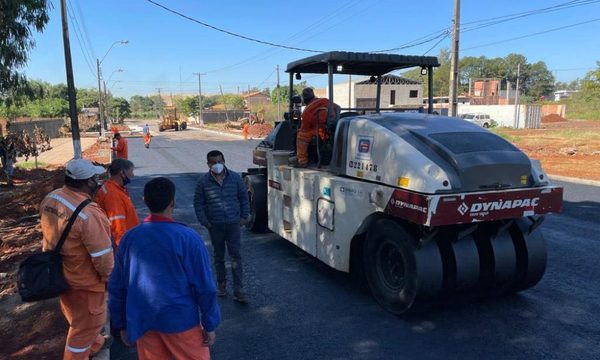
<point>70,83</point>
<point>454,59</point>
<point>349,91</point>
<point>224,105</point>
<point>200,119</point>
<point>517,112</point>
<point>159,107</point>
<point>106,103</point>
<point>278,97</point>
<point>100,110</point>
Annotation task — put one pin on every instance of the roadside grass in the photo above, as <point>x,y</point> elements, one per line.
<point>29,164</point>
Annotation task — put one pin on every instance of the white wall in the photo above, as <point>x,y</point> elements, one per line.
<point>340,94</point>
<point>505,115</point>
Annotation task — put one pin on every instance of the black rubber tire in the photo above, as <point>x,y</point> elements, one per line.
<point>531,254</point>
<point>486,125</point>
<point>176,127</point>
<point>390,266</point>
<point>161,128</point>
<point>257,197</point>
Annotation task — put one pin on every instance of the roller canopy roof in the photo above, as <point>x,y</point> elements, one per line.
<point>359,63</point>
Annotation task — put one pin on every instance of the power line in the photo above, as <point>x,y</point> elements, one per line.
<point>81,46</point>
<point>231,33</point>
<point>532,34</point>
<point>85,31</point>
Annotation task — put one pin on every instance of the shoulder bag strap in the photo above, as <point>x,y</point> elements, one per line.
<point>65,232</point>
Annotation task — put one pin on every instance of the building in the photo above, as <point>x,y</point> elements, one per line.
<point>563,94</point>
<point>488,91</point>
<point>396,92</point>
<point>255,98</point>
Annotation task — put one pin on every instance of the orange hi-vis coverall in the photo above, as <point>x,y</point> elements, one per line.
<point>117,204</point>
<point>315,111</point>
<point>87,264</point>
<point>121,149</point>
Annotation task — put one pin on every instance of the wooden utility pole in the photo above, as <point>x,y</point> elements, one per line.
<point>454,59</point>
<point>70,83</point>
<point>200,119</point>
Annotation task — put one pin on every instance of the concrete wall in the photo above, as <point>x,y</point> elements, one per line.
<point>506,115</point>
<point>558,109</point>
<point>213,117</point>
<point>50,126</point>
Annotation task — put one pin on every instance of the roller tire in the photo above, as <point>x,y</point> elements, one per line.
<point>257,197</point>
<point>390,266</point>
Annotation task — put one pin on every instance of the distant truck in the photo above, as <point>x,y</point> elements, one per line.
<point>170,120</point>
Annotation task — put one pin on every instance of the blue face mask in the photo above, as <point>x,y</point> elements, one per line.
<point>126,179</point>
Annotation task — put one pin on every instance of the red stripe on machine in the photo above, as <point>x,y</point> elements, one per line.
<point>496,206</point>
<point>408,205</point>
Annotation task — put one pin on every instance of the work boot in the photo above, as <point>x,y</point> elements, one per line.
<point>240,296</point>
<point>108,340</point>
<point>222,289</point>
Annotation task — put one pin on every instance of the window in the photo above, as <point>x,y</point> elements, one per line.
<point>392,97</point>
<point>413,93</point>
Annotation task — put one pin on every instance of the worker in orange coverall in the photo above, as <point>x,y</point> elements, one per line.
<point>121,147</point>
<point>147,135</point>
<point>114,199</point>
<point>246,130</point>
<point>314,113</point>
<point>87,257</point>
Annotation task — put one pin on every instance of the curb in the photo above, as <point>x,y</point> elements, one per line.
<point>216,132</point>
<point>575,180</point>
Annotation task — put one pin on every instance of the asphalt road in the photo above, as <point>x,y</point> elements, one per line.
<point>301,309</point>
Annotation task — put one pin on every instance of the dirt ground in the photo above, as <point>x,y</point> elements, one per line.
<point>30,330</point>
<point>566,148</point>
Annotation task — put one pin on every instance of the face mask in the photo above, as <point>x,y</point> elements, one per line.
<point>126,179</point>
<point>217,168</point>
<point>94,188</point>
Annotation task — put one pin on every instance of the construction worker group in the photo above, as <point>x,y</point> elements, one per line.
<point>155,275</point>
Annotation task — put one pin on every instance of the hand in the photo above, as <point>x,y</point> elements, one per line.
<point>209,338</point>
<point>124,338</point>
<point>244,221</point>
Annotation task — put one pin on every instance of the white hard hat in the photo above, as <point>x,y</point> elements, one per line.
<point>81,169</point>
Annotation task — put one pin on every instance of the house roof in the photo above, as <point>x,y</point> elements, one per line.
<point>256,93</point>
<point>359,63</point>
<point>389,80</point>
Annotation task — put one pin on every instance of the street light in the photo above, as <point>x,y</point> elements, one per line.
<point>99,75</point>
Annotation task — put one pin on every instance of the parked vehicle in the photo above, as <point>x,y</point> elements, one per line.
<point>480,119</point>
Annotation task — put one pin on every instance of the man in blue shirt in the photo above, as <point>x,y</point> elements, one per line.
<point>221,205</point>
<point>162,277</point>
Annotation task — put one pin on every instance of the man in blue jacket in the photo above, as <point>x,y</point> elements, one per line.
<point>221,205</point>
<point>162,277</point>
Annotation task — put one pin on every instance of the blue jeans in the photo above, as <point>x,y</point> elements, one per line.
<point>227,235</point>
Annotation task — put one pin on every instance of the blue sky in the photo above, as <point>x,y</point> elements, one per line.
<point>164,49</point>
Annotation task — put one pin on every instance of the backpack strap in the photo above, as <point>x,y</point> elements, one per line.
<point>65,232</point>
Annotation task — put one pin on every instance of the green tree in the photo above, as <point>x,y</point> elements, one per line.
<point>87,98</point>
<point>140,104</point>
<point>18,20</point>
<point>232,101</point>
<point>282,93</point>
<point>119,109</point>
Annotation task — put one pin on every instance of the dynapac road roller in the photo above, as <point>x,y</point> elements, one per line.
<point>424,206</point>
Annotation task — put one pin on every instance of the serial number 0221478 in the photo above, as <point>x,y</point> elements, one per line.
<point>360,165</point>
